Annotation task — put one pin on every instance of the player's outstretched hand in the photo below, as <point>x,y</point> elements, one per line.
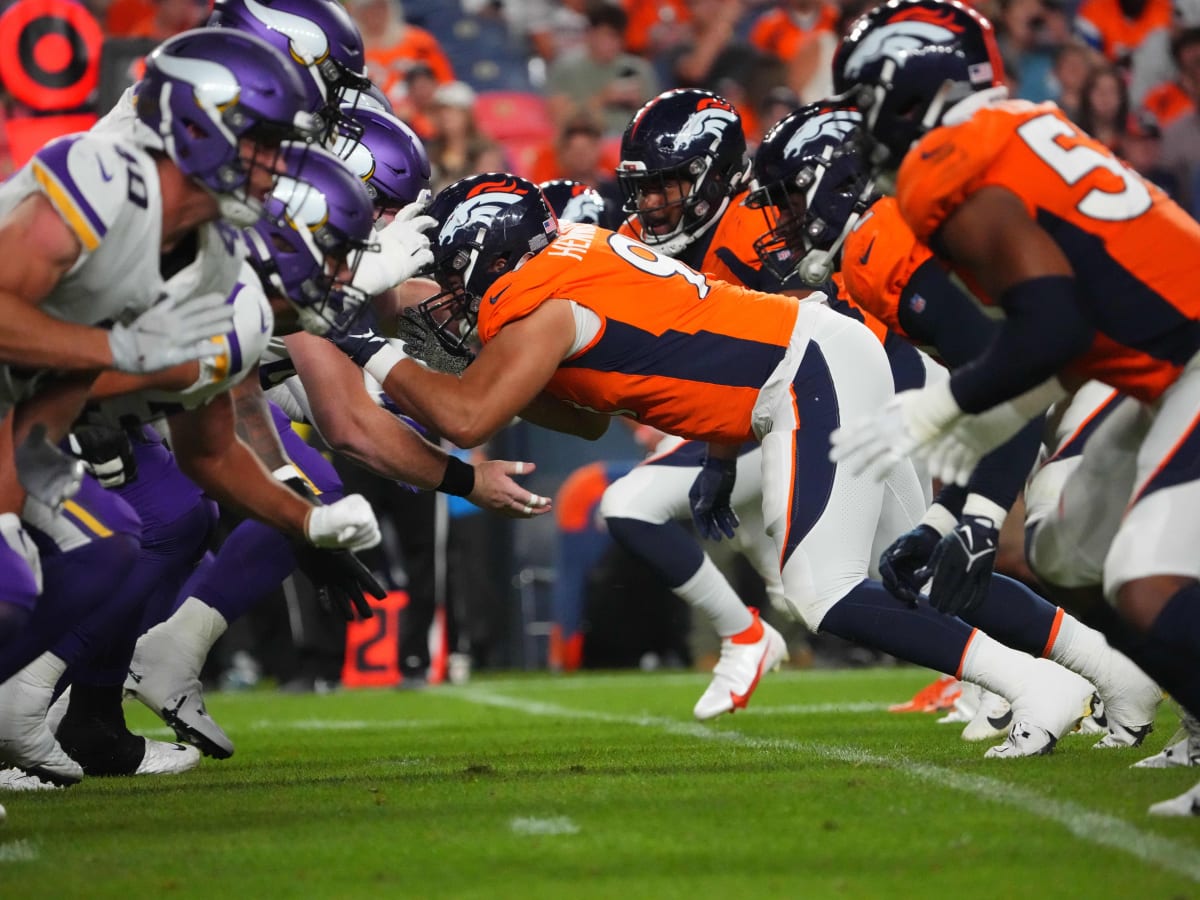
<point>172,331</point>
<point>495,490</point>
<point>401,250</point>
<point>422,344</point>
<point>348,524</point>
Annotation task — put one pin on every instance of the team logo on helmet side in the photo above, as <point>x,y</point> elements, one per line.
<point>210,81</point>
<point>303,205</point>
<point>836,125</point>
<point>307,43</point>
<point>478,209</point>
<point>583,207</point>
<point>709,120</point>
<point>892,41</point>
<point>355,155</point>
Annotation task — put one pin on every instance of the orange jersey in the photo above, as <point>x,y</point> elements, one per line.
<point>879,259</point>
<point>727,251</point>
<point>388,65</point>
<point>674,350</point>
<point>1103,25</point>
<point>1132,249</point>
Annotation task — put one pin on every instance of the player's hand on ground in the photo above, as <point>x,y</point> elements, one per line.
<point>961,566</point>
<point>496,490</point>
<point>901,562</point>
<point>710,498</point>
<point>348,524</point>
<point>172,331</point>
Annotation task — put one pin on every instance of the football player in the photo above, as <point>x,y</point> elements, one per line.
<point>623,330</point>
<point>815,186</point>
<point>1093,267</point>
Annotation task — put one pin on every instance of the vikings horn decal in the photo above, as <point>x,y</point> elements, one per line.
<point>355,155</point>
<point>210,81</point>
<point>306,40</point>
<point>304,205</point>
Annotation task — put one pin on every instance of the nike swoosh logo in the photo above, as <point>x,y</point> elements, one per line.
<point>500,293</point>
<point>740,700</point>
<point>862,260</point>
<point>938,152</point>
<point>103,172</point>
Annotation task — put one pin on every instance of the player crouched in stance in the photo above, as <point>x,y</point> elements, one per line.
<point>1095,269</point>
<point>706,361</point>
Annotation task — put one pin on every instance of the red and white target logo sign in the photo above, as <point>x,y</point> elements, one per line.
<point>49,53</point>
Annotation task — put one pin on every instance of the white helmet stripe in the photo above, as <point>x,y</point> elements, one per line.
<point>308,42</point>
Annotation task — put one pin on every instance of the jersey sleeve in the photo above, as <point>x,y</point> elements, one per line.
<point>945,167</point>
<point>92,183</point>
<point>878,259</point>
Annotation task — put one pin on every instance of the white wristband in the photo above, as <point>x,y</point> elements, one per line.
<point>382,362</point>
<point>939,519</point>
<point>283,473</point>
<point>981,506</point>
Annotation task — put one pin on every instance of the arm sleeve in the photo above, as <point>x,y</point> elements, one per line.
<point>1045,328</point>
<point>1001,474</point>
<point>934,311</point>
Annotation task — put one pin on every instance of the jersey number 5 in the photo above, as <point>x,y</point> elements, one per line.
<point>642,257</point>
<point>1076,163</point>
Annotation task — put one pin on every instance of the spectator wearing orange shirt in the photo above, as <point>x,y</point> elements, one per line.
<point>803,35</point>
<point>655,26</point>
<point>1172,99</point>
<point>1117,27</point>
<point>393,46</point>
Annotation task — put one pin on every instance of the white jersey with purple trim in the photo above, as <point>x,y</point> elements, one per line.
<point>106,190</point>
<point>122,121</point>
<point>235,355</point>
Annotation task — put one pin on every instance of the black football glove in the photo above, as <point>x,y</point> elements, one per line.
<point>901,565</point>
<point>422,344</point>
<point>710,497</point>
<point>961,566</point>
<point>338,576</point>
<point>106,452</point>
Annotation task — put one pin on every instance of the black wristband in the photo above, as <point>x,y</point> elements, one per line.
<point>459,479</point>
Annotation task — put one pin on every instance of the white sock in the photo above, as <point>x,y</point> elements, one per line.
<point>1081,649</point>
<point>709,592</point>
<point>190,633</point>
<point>995,667</point>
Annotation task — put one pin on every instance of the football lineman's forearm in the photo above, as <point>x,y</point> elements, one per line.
<point>441,402</point>
<point>236,479</point>
<point>254,423</point>
<point>176,378</point>
<point>377,440</point>
<point>35,340</point>
<point>56,405</point>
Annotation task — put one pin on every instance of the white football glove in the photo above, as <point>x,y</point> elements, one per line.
<point>401,250</point>
<point>906,425</point>
<point>348,524</point>
<point>953,456</point>
<point>172,331</point>
<point>46,473</point>
<point>13,533</point>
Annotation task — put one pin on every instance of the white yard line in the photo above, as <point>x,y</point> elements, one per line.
<point>536,825</point>
<point>1086,824</point>
<point>18,851</point>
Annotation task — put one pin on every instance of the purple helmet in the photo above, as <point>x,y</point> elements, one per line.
<point>385,154</point>
<point>319,221</point>
<point>369,97</point>
<point>317,35</point>
<point>203,93</point>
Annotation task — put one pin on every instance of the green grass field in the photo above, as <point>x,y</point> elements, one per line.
<point>603,786</point>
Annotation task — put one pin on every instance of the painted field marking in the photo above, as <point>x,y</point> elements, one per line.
<point>1086,824</point>
<point>534,825</point>
<point>18,851</point>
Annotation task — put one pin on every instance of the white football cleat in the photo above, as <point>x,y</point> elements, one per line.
<point>1050,702</point>
<point>25,740</point>
<point>965,705</point>
<point>744,659</point>
<point>1182,750</point>
<point>164,758</point>
<point>14,779</point>
<point>992,718</point>
<point>1186,804</point>
<point>183,709</point>
<point>1130,700</point>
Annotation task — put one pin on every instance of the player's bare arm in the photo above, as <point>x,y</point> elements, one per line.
<point>35,234</point>
<point>210,452</point>
<point>509,372</point>
<point>254,424</point>
<point>550,412</point>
